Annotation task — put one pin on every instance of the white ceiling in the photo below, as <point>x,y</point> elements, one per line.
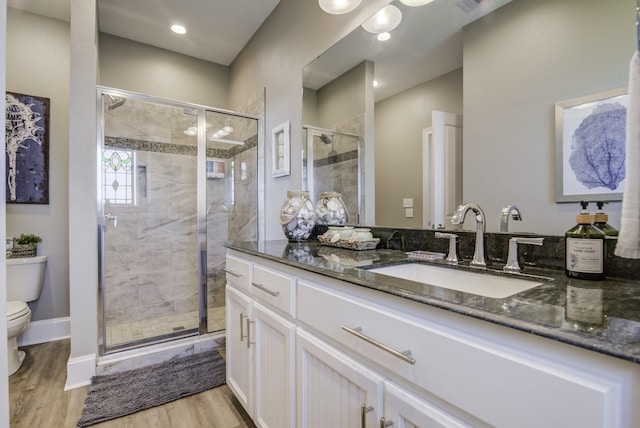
<point>427,44</point>
<point>217,30</point>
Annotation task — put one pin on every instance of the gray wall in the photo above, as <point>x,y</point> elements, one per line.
<point>38,64</point>
<point>293,36</point>
<point>136,67</point>
<point>518,63</point>
<point>399,121</point>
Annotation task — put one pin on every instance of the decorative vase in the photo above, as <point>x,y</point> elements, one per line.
<point>330,209</point>
<point>297,216</point>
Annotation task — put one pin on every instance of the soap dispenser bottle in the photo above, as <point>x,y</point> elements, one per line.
<point>601,222</point>
<point>584,243</point>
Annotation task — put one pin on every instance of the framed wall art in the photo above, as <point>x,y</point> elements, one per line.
<point>281,150</point>
<point>590,147</point>
<point>27,140</point>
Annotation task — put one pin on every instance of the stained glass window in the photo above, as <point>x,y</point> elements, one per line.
<point>118,177</point>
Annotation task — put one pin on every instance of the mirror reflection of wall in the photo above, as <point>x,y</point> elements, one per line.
<point>513,65</point>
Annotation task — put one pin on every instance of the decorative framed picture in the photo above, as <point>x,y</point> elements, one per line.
<point>27,139</point>
<point>281,150</point>
<point>590,147</point>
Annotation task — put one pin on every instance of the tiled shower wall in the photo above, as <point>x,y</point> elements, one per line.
<point>151,256</point>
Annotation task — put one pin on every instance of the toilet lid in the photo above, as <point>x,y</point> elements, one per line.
<point>16,310</point>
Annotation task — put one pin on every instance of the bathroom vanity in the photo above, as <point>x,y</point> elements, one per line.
<point>316,339</point>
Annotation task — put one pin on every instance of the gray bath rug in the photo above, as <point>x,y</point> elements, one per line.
<point>116,395</point>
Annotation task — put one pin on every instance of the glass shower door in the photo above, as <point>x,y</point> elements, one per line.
<point>232,205</point>
<point>149,241</point>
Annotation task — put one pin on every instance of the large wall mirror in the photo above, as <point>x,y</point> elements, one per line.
<point>500,65</point>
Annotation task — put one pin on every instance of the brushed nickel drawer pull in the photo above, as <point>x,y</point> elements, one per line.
<point>364,409</point>
<point>242,316</point>
<point>385,423</point>
<point>230,272</point>
<point>404,356</point>
<point>265,289</point>
<point>249,342</point>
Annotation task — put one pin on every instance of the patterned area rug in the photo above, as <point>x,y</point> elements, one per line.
<point>116,395</point>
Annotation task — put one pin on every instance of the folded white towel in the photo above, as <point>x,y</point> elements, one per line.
<point>628,245</point>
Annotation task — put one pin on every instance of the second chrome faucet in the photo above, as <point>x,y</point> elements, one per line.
<point>458,218</point>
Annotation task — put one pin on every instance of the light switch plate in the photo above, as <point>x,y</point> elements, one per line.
<point>407,203</point>
<point>408,212</point>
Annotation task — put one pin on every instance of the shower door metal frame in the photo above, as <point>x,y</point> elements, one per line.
<point>201,207</point>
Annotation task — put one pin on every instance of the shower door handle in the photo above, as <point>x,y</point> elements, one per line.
<point>110,217</point>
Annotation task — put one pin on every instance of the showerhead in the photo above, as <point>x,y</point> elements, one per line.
<point>326,139</point>
<point>115,102</point>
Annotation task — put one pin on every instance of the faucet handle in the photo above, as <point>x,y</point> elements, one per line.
<point>452,257</point>
<point>512,259</point>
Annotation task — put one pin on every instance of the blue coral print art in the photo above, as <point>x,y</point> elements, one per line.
<point>594,135</point>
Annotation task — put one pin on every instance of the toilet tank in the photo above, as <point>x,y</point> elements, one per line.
<point>25,276</point>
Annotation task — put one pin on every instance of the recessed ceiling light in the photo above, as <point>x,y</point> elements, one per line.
<point>376,83</point>
<point>178,29</point>
<point>383,37</point>
<point>415,3</point>
<point>338,7</point>
<point>385,20</point>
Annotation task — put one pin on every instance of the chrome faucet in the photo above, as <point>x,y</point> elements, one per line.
<point>506,212</point>
<point>458,218</point>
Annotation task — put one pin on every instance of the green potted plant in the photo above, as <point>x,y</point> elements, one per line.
<point>26,245</point>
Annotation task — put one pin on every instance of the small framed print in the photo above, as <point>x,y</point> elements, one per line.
<point>281,150</point>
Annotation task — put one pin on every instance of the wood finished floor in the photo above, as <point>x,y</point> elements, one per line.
<point>37,399</point>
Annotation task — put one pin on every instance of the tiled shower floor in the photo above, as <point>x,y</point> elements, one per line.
<point>140,330</point>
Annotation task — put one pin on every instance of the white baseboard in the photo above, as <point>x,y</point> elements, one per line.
<point>46,331</point>
<point>79,371</point>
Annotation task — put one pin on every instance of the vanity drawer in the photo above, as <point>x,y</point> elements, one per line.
<point>238,273</point>
<point>274,288</point>
<point>496,384</point>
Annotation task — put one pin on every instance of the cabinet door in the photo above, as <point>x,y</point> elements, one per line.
<point>404,409</point>
<point>334,390</point>
<point>274,369</point>
<point>239,356</point>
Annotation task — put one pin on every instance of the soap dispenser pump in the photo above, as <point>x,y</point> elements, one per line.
<point>601,222</point>
<point>584,244</point>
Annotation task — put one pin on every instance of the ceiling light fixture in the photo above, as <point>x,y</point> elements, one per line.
<point>376,83</point>
<point>385,20</point>
<point>415,3</point>
<point>383,37</point>
<point>191,131</point>
<point>178,29</point>
<point>338,7</point>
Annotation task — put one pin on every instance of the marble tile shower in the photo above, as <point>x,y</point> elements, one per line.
<point>151,252</point>
<point>334,167</point>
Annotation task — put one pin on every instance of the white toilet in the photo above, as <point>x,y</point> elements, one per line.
<point>25,276</point>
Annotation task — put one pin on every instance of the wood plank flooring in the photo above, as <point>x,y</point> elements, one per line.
<point>38,400</point>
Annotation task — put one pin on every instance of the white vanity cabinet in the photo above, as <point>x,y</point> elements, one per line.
<point>334,390</point>
<point>260,339</point>
<point>364,358</point>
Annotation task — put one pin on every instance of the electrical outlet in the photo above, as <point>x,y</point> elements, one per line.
<point>408,212</point>
<point>407,203</point>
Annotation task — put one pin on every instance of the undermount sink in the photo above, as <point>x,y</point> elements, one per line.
<point>480,283</point>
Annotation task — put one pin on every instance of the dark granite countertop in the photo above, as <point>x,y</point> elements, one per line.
<point>606,319</point>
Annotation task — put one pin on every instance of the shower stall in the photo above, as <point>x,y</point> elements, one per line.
<point>175,181</point>
<point>331,162</point>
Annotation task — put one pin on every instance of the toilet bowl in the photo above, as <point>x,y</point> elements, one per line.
<point>25,276</point>
<point>18,318</point>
